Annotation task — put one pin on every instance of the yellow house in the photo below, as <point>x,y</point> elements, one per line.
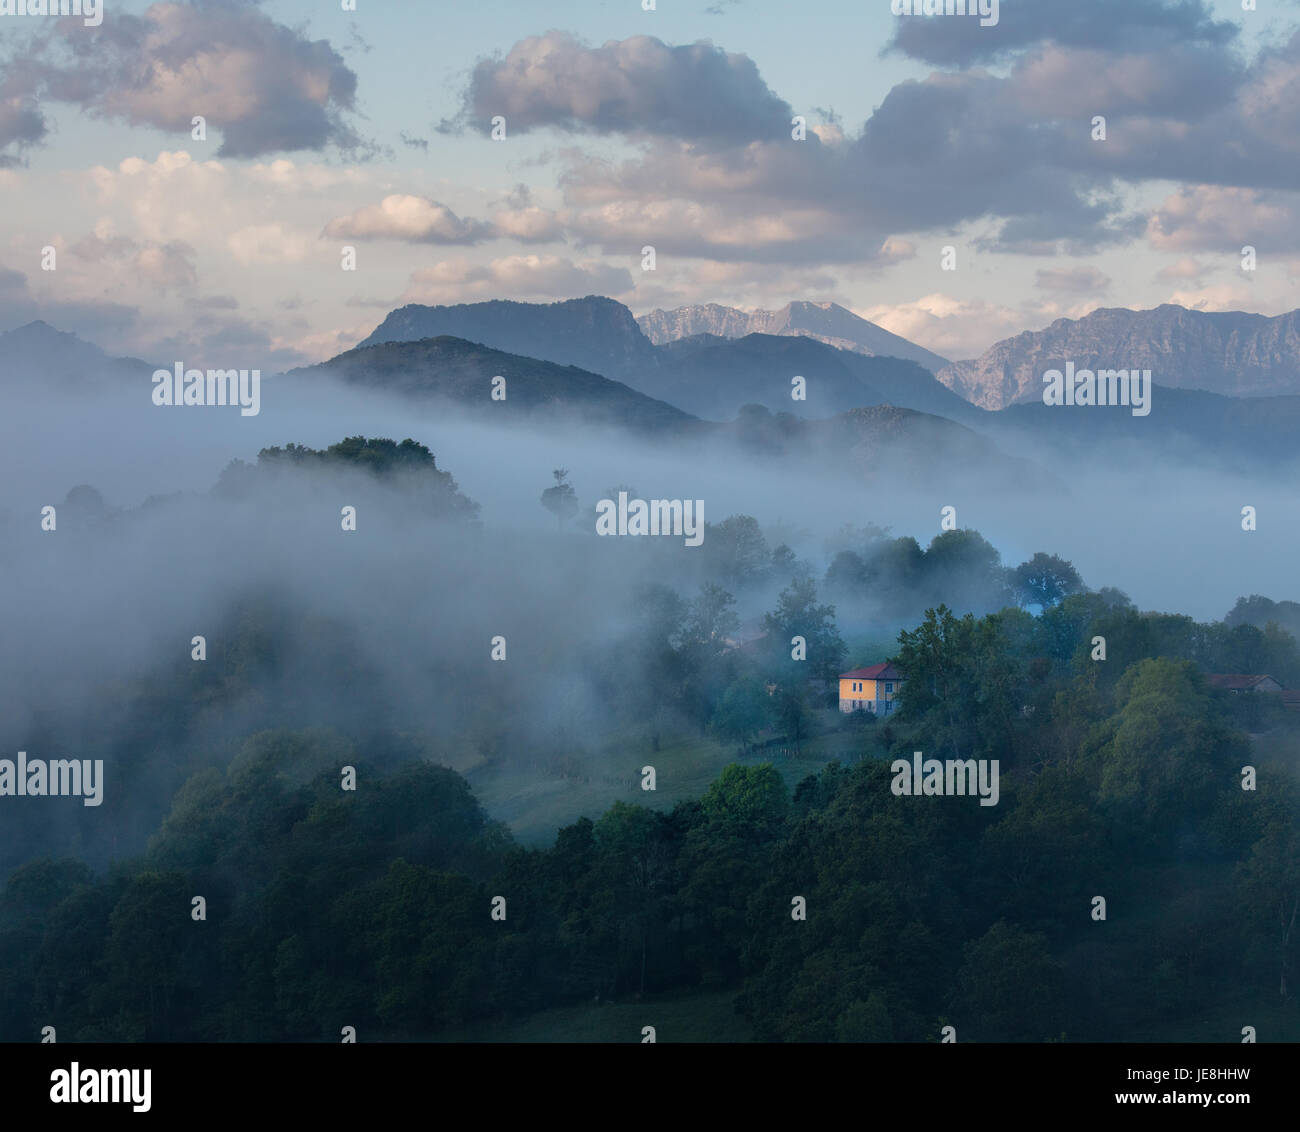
<point>870,689</point>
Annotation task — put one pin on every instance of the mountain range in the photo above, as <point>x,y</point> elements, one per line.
<point>1233,353</point>
<point>826,322</point>
<point>709,375</point>
<point>856,404</point>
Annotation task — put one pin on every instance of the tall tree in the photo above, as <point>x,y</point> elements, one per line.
<point>560,500</point>
<point>1045,580</point>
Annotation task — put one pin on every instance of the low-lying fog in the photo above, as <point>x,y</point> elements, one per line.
<point>1171,537</point>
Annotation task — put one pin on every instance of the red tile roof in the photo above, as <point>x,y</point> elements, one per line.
<point>884,671</point>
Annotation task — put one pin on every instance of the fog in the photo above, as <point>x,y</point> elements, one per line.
<point>389,628</point>
<point>1168,534</point>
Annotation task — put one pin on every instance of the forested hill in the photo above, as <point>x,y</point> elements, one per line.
<point>464,372</point>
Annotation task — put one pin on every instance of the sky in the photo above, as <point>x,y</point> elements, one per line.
<point>327,129</point>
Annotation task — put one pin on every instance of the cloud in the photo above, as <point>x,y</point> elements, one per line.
<point>697,282</point>
<point>1222,219</point>
<point>22,125</point>
<point>517,217</point>
<point>1180,103</point>
<point>515,277</point>
<point>318,346</point>
<point>1185,270</point>
<point>268,244</point>
<point>1249,140</point>
<point>264,86</point>
<point>639,86</point>
<point>92,319</point>
<point>805,202</point>
<point>410,218</point>
<point>739,231</point>
<point>1103,24</point>
<point>1189,81</point>
<point>175,197</point>
<point>1221,297</point>
<point>896,250</point>
<point>952,327</point>
<point>215,302</point>
<point>1074,280</point>
<point>228,342</point>
<point>164,266</point>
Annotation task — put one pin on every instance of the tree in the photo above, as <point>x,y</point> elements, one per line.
<point>963,690</point>
<point>709,620</point>
<point>1045,580</point>
<point>791,710</point>
<point>1269,887</point>
<point>1010,986</point>
<point>560,500</point>
<point>706,666</point>
<point>1259,611</point>
<point>964,570</point>
<point>744,710</point>
<point>636,870</point>
<point>797,614</point>
<point>753,798</point>
<point>1168,756</point>
<point>736,550</point>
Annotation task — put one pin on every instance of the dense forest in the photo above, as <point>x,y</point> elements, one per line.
<point>348,879</point>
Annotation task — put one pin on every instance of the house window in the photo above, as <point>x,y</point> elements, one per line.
<point>889,688</point>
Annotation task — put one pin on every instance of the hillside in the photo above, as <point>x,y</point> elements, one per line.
<point>714,376</point>
<point>462,372</point>
<point>36,356</point>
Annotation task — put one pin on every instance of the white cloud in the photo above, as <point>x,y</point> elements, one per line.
<point>268,244</point>
<point>402,216</point>
<point>1220,297</point>
<point>517,277</point>
<point>1184,270</point>
<point>1222,219</point>
<point>955,328</point>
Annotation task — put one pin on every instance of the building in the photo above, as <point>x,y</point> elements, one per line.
<point>1238,684</point>
<point>870,689</point>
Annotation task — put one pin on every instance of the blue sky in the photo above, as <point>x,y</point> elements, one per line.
<point>228,250</point>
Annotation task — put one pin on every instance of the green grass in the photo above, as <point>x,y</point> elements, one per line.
<point>535,804</point>
<point>707,1016</point>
